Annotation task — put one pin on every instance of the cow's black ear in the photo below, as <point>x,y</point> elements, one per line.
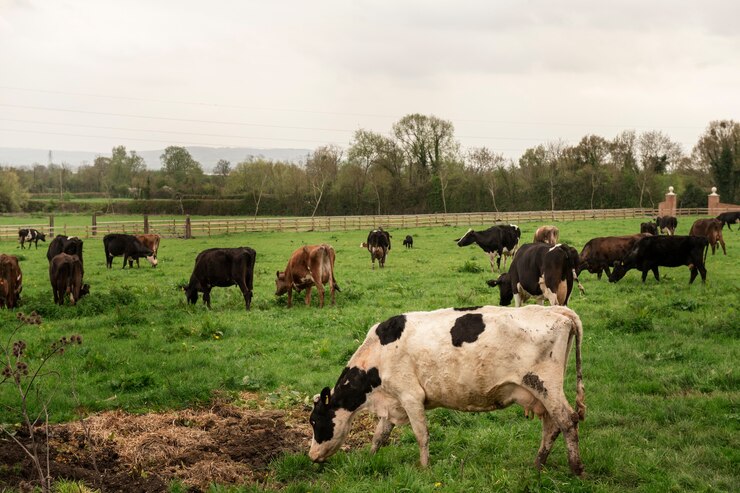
<point>325,396</point>
<point>277,273</point>
<point>492,282</point>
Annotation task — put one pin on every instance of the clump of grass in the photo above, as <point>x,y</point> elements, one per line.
<point>470,267</point>
<point>631,322</point>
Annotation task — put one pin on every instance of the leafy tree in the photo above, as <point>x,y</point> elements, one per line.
<point>253,177</point>
<point>182,172</point>
<point>489,166</point>
<point>321,170</point>
<point>427,141</point>
<point>12,195</point>
<point>718,150</point>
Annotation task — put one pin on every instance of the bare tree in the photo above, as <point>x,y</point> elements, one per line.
<point>321,170</point>
<point>487,165</point>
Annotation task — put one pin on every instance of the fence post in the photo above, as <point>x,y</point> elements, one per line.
<point>51,226</point>
<point>146,224</point>
<point>95,223</point>
<point>188,230</point>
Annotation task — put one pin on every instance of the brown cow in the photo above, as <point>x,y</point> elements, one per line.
<point>11,281</point>
<point>547,234</point>
<point>65,274</point>
<point>711,229</point>
<point>151,241</point>
<point>309,266</point>
<point>599,254</point>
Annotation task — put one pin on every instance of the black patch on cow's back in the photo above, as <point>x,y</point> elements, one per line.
<point>391,329</point>
<point>467,329</point>
<point>352,388</point>
<point>533,381</point>
<point>467,308</point>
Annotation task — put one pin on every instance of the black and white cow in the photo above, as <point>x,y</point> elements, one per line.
<point>469,359</point>
<point>652,252</point>
<point>649,228</point>
<point>496,241</point>
<point>378,244</point>
<point>222,267</point>
<point>666,224</point>
<point>729,218</point>
<point>117,244</point>
<point>541,271</point>
<point>30,236</point>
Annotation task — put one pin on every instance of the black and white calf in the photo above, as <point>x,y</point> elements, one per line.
<point>666,224</point>
<point>496,241</point>
<point>469,359</point>
<point>541,271</point>
<point>30,236</point>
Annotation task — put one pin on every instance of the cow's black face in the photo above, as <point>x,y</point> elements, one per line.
<point>322,417</point>
<point>191,294</point>
<point>466,239</point>
<point>504,285</point>
<point>618,272</point>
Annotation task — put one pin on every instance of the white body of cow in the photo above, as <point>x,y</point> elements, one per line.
<point>472,359</point>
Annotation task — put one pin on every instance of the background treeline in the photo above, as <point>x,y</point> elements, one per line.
<point>418,167</point>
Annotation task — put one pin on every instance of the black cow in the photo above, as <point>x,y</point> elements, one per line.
<point>729,218</point>
<point>119,244</point>
<point>378,244</point>
<point>70,245</point>
<point>665,251</point>
<point>496,241</point>
<point>649,227</point>
<point>222,267</point>
<point>666,223</point>
<point>30,235</point>
<point>408,242</point>
<point>65,274</point>
<point>540,270</point>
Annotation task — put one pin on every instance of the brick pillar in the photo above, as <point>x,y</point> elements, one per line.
<point>713,202</point>
<point>668,206</point>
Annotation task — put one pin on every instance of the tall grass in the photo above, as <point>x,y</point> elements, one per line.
<point>659,359</point>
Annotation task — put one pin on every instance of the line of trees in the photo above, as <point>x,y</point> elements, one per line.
<point>418,167</point>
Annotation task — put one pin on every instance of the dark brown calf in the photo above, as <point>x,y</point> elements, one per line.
<point>65,274</point>
<point>599,254</point>
<point>309,266</point>
<point>11,281</point>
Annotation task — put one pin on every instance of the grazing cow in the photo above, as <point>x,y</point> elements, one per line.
<point>65,274</point>
<point>496,241</point>
<point>30,235</point>
<point>222,267</point>
<point>711,229</point>
<point>65,244</point>
<point>308,266</point>
<point>469,359</point>
<point>151,241</point>
<point>541,271</point>
<point>666,223</point>
<point>729,218</point>
<point>11,281</point>
<point>649,228</point>
<point>665,251</point>
<point>599,254</point>
<point>408,242</point>
<point>378,244</point>
<point>127,245</point>
<point>547,234</point>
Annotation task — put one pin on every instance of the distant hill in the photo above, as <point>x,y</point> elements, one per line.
<point>206,156</point>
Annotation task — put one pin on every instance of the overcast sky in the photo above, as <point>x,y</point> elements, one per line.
<point>89,75</point>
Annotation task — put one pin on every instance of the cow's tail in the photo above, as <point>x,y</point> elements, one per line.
<point>580,390</point>
<point>706,250</point>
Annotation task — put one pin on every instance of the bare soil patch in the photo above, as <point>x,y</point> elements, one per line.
<point>225,444</point>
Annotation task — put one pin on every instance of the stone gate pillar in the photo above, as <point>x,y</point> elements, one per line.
<point>713,202</point>
<point>668,206</point>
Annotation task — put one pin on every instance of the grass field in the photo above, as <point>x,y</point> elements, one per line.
<point>660,360</point>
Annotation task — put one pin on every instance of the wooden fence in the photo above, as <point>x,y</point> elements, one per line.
<point>184,227</point>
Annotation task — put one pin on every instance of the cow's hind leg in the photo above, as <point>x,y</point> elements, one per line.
<point>567,420</point>
<point>413,404</point>
<point>247,293</point>
<point>382,434</point>
<point>550,432</point>
<point>207,297</point>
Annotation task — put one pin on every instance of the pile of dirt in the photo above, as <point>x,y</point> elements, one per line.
<point>116,451</point>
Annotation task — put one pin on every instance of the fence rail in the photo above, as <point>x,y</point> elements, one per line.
<point>200,227</point>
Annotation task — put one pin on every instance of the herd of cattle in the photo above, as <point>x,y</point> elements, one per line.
<point>444,358</point>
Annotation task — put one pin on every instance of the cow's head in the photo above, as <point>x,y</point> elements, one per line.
<point>282,285</point>
<point>330,426</point>
<point>467,239</point>
<point>41,236</point>
<point>517,231</point>
<point>84,290</point>
<point>505,290</point>
<point>152,259</point>
<point>191,292</point>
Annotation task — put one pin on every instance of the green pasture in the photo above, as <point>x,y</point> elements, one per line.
<point>660,359</point>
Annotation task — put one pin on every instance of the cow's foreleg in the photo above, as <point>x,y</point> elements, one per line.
<point>290,296</point>
<point>655,273</point>
<point>207,297</point>
<point>308,296</point>
<point>382,434</point>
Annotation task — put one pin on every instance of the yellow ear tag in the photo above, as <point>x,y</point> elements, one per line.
<point>326,400</point>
